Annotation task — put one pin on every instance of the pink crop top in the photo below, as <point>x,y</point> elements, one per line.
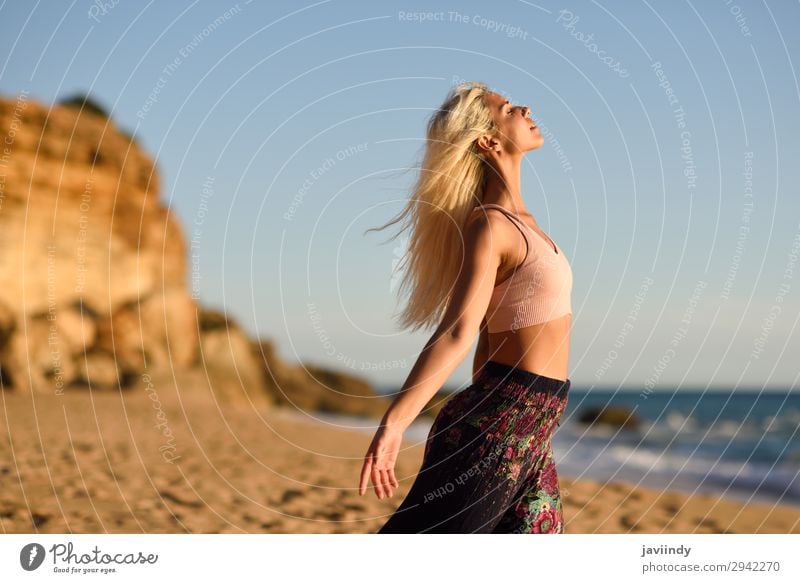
<point>539,289</point>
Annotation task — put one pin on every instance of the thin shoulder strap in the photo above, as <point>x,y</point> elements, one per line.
<point>511,215</point>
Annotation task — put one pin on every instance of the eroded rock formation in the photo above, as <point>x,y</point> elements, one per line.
<point>93,278</point>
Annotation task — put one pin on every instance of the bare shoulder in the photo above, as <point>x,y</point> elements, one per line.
<point>489,227</point>
<point>489,219</point>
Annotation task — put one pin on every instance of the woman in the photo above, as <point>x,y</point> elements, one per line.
<point>480,264</point>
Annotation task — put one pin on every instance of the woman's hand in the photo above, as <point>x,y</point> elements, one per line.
<point>379,462</point>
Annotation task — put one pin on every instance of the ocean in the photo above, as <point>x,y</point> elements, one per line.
<point>739,444</point>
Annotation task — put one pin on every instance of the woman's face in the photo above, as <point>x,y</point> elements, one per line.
<point>516,131</point>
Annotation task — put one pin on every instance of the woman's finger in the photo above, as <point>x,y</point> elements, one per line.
<point>387,490</point>
<point>366,469</point>
<point>377,481</point>
<point>395,483</point>
<point>390,481</point>
<point>381,475</point>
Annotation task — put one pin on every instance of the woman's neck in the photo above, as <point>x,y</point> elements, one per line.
<point>505,191</point>
<point>503,183</point>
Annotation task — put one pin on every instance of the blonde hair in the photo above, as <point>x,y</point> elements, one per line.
<point>450,184</point>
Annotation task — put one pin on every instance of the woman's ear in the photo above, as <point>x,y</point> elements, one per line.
<point>486,142</point>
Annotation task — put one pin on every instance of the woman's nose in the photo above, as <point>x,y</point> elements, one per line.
<point>526,111</point>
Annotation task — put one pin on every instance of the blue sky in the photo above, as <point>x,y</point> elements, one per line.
<point>668,175</point>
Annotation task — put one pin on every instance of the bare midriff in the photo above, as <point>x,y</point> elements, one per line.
<point>542,348</point>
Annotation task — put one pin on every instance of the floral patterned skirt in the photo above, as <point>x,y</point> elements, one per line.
<point>488,465</point>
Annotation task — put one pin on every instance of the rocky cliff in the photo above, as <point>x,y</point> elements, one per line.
<point>92,265</point>
<point>93,276</point>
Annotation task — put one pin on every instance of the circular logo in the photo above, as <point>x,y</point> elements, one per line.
<point>31,556</point>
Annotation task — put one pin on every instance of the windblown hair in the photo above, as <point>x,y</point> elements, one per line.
<point>450,185</point>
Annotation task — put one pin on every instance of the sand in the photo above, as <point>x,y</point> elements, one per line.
<point>135,462</point>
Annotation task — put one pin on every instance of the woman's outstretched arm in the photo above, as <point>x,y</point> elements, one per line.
<point>462,321</point>
<point>443,352</point>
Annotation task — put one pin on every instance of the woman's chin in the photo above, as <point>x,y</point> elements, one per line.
<point>536,144</point>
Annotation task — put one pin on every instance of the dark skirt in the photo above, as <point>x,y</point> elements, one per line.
<point>488,465</point>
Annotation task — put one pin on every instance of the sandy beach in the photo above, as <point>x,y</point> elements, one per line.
<point>174,463</point>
